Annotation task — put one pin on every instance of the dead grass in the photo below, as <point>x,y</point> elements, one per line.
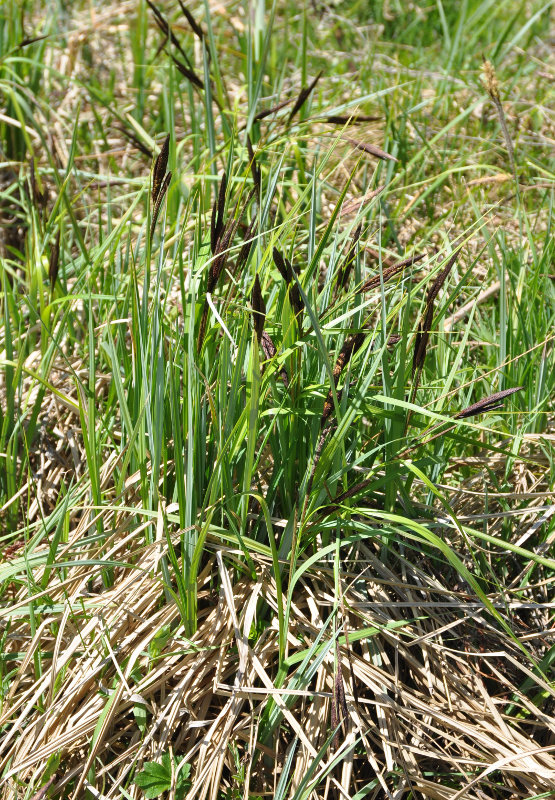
<point>427,691</point>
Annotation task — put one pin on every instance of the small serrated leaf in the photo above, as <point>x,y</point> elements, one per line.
<point>154,779</point>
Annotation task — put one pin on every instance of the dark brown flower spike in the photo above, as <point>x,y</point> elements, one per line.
<point>189,73</point>
<point>31,40</point>
<point>269,111</point>
<point>221,255</point>
<point>160,198</point>
<point>303,96</point>
<point>54,261</point>
<point>329,429</point>
<point>221,243</point>
<point>217,223</point>
<point>351,345</point>
<point>353,119</point>
<point>166,30</point>
<point>246,248</point>
<point>284,268</point>
<point>347,266</point>
<point>160,167</point>
<point>270,351</point>
<point>38,197</point>
<point>354,490</point>
<point>487,404</point>
<point>390,272</point>
<point>255,171</point>
<point>425,326</point>
<point>135,141</point>
<point>371,149</point>
<point>338,703</point>
<point>195,27</point>
<point>286,271</point>
<point>258,309</point>
<point>223,240</point>
<point>442,277</point>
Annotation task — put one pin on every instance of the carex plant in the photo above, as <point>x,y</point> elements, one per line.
<point>276,355</point>
<point>249,358</point>
<point>277,352</point>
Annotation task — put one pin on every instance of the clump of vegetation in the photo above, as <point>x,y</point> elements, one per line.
<point>276,418</point>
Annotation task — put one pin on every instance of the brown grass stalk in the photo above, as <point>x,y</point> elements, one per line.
<point>351,345</point>
<point>164,26</point>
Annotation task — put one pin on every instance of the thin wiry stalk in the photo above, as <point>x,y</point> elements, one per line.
<point>135,141</point>
<point>167,31</point>
<point>267,112</point>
